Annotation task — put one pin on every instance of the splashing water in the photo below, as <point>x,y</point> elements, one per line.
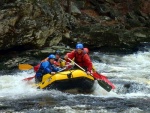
<point>130,74</point>
<point>132,68</point>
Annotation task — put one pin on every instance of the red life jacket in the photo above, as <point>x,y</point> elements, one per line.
<point>79,58</point>
<point>36,68</point>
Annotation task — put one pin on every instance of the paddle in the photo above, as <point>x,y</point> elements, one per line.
<point>30,78</point>
<point>102,80</point>
<point>25,66</point>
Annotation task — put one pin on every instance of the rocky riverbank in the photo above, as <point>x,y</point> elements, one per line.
<point>34,28</point>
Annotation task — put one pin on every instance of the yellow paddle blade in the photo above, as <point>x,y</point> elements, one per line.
<point>25,66</point>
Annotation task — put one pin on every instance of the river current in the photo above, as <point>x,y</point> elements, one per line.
<point>130,73</point>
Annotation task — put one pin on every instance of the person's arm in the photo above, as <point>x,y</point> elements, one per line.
<point>47,70</point>
<point>55,69</point>
<point>70,55</point>
<point>46,67</point>
<point>46,59</point>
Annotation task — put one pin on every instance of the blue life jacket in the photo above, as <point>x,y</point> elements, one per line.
<point>45,68</point>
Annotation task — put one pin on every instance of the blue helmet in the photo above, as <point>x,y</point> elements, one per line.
<point>51,56</point>
<point>57,52</point>
<point>79,46</point>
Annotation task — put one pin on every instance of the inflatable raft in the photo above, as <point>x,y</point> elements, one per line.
<point>66,80</point>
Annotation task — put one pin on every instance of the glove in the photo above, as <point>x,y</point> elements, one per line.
<point>52,73</point>
<point>88,72</point>
<point>68,66</point>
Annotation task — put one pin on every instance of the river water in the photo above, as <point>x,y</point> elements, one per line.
<point>130,73</point>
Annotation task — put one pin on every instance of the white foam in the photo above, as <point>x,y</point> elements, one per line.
<point>133,67</point>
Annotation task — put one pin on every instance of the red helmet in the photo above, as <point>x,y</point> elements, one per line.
<point>86,50</point>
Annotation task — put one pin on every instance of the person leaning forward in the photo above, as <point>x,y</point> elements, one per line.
<point>58,61</point>
<point>46,67</point>
<point>80,57</point>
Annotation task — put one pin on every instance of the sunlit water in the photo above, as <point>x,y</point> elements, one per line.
<point>130,74</point>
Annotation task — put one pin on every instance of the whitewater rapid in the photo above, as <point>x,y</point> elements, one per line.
<point>127,68</point>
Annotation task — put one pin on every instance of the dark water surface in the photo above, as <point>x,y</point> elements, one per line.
<point>76,103</point>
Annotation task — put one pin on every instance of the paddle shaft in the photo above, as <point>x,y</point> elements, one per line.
<point>30,78</point>
<point>102,83</point>
<point>76,64</point>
